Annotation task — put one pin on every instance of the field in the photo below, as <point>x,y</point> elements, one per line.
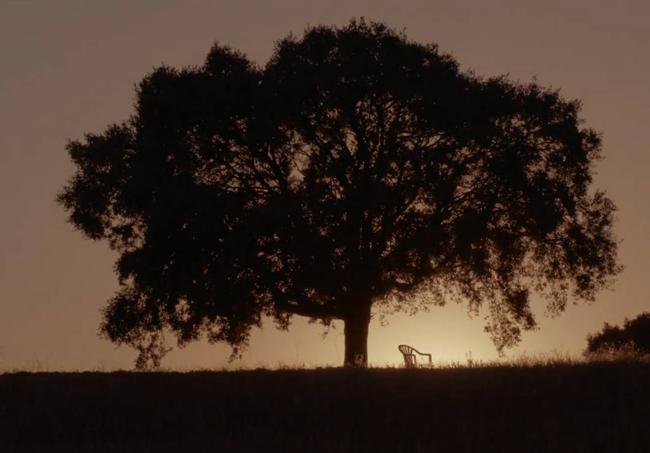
<point>594,407</point>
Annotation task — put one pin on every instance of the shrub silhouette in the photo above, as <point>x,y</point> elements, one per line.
<point>634,335</point>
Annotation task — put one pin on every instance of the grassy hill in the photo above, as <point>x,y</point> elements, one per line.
<point>596,407</point>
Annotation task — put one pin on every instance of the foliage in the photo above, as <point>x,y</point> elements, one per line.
<point>632,339</point>
<point>357,169</point>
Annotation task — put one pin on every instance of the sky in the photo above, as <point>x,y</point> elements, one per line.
<point>70,67</point>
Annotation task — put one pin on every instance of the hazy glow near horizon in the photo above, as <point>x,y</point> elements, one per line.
<point>70,68</point>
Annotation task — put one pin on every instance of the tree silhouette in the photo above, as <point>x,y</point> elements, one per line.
<point>635,333</point>
<point>357,169</point>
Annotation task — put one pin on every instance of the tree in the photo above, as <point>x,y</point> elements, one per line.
<point>357,170</point>
<point>635,333</point>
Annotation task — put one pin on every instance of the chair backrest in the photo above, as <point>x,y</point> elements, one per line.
<point>409,358</point>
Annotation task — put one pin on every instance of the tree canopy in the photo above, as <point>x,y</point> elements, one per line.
<point>356,171</point>
<point>634,334</point>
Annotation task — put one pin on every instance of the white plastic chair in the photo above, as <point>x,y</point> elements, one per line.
<point>410,358</point>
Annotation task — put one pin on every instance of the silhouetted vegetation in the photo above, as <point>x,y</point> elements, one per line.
<point>598,407</point>
<point>633,337</point>
<point>356,170</point>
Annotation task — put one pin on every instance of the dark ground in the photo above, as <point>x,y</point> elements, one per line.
<point>598,407</point>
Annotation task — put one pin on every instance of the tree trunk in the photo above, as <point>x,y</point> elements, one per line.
<point>356,338</point>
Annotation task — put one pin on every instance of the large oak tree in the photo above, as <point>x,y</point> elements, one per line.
<point>355,170</point>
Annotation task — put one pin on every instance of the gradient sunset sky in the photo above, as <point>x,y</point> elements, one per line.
<point>70,67</point>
